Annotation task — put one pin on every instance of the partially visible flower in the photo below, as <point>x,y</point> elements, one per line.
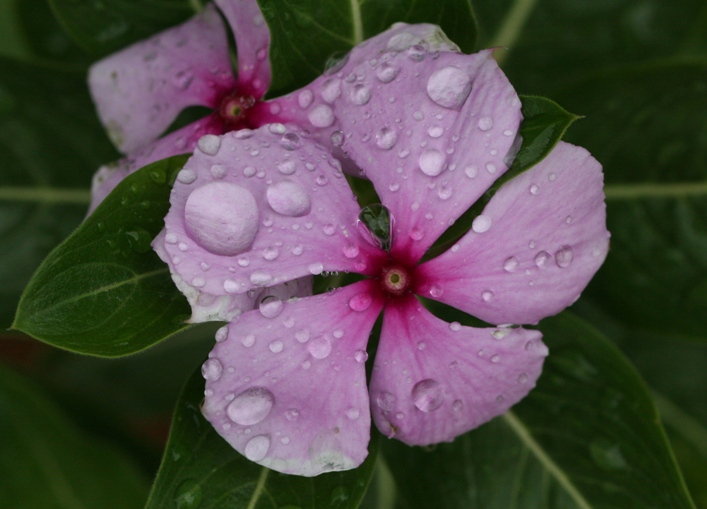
<point>141,90</point>
<point>286,384</point>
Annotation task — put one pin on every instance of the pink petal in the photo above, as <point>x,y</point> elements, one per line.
<point>140,91</point>
<point>537,244</point>
<point>432,130</point>
<point>433,381</point>
<point>253,43</point>
<point>253,209</point>
<point>182,141</point>
<point>289,392</point>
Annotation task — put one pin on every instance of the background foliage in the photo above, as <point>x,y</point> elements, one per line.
<point>82,431</point>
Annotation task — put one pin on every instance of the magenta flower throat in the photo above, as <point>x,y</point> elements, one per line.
<point>432,129</point>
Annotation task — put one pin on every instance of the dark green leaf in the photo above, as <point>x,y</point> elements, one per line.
<point>305,34</point>
<point>588,436</point>
<point>11,41</point>
<point>645,125</point>
<point>47,462</point>
<point>102,27</point>
<point>200,469</point>
<point>544,124</point>
<point>553,42</point>
<point>50,145</point>
<point>103,291</point>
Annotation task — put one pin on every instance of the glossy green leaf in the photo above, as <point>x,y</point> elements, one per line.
<point>103,291</point>
<point>199,469</point>
<point>305,34</point>
<point>47,462</point>
<point>554,42</point>
<point>588,436</point>
<point>102,27</point>
<point>646,126</point>
<point>50,144</point>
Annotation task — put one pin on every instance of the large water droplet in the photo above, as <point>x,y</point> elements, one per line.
<point>288,198</point>
<point>360,94</point>
<point>449,87</point>
<point>360,302</point>
<point>222,218</point>
<point>290,141</point>
<point>387,72</point>
<point>432,162</point>
<point>257,448</point>
<point>211,370</point>
<point>427,395</point>
<point>320,347</point>
<point>270,306</point>
<point>376,221</point>
<point>331,89</point>
<point>209,144</point>
<point>386,138</point>
<point>481,223</point>
<point>564,257</point>
<point>251,406</point>
<point>321,116</point>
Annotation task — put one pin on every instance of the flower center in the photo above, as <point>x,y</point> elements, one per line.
<point>395,280</point>
<point>234,110</point>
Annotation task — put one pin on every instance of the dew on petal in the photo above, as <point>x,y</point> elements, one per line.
<point>288,198</point>
<point>350,251</point>
<point>487,295</point>
<point>222,218</point>
<point>481,224</point>
<point>270,306</point>
<point>360,302</point>
<point>361,356</point>
<point>276,346</point>
<point>337,138</point>
<point>564,257</point>
<point>449,87</point>
<point>432,162</point>
<point>331,89</point>
<point>455,326</point>
<point>485,123</point>
<point>257,448</point>
<point>360,94</point>
<point>260,278</point>
<point>305,98</point>
<point>290,141</point>
<point>471,171</point>
<point>385,401</point>
<point>211,370</point>
<point>534,189</point>
<point>542,259</point>
<point>352,413</point>
<point>436,291</point>
<point>292,414</point>
<point>457,405</point>
<point>186,176</point>
<point>387,72</point>
<point>222,334</point>
<point>511,264</point>
<point>287,167</point>
<point>386,138</point>
<point>209,144</point>
<point>251,406</point>
<point>427,395</point>
<point>316,268</point>
<point>248,340</point>
<point>320,347</point>
<point>231,286</point>
<point>321,116</point>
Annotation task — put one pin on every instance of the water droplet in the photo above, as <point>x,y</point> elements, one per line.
<point>335,62</point>
<point>260,278</point>
<point>435,131</point>
<point>209,144</point>
<point>455,326</point>
<point>449,87</point>
<point>276,346</point>
<point>495,358</point>
<point>211,370</point>
<point>287,167</point>
<point>511,264</point>
<point>288,198</point>
<point>183,79</point>
<point>491,168</point>
<point>385,401</point>
<point>432,162</point>
<point>248,340</point>
<point>270,306</point>
<point>427,395</point>
<point>387,72</point>
<point>487,295</point>
<point>481,223</point>
<point>222,334</point>
<point>292,414</point>
<point>337,138</point>
<point>305,98</point>
<point>564,257</point>
<point>471,171</point>
<point>375,225</point>
<point>257,448</point>
<point>321,116</point>
<point>457,405</point>
<point>360,302</point>
<point>552,176</point>
<point>290,141</point>
<point>485,123</point>
<point>534,189</point>
<point>542,259</point>
<point>316,268</point>
<point>320,347</point>
<point>386,138</point>
<point>522,378</point>
<point>251,406</point>
<point>350,251</point>
<point>188,494</point>
<point>436,291</point>
<point>360,94</point>
<point>331,89</point>
<point>352,413</point>
<point>444,192</point>
<point>186,176</point>
<point>302,336</point>
<point>222,218</point>
<point>361,356</point>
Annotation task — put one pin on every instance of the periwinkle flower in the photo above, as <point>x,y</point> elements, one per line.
<point>432,130</point>
<point>141,90</point>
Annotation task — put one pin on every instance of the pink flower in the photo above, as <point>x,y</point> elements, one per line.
<point>286,384</point>
<point>140,91</point>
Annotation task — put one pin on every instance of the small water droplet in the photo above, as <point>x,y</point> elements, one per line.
<point>290,141</point>
<point>481,223</point>
<point>186,176</point>
<point>287,167</point>
<point>257,448</point>
<point>428,395</point>
<point>607,454</point>
<point>564,257</point>
<point>352,413</point>
<point>386,138</point>
<point>385,401</point>
<point>288,198</point>
<point>432,162</point>
<point>522,378</point>
<point>387,72</point>
<point>248,340</point>
<point>331,90</point>
<point>211,370</point>
<point>511,264</point>
<point>337,138</point>
<point>542,259</point>
<point>292,414</point>
<point>455,326</point>
<point>495,358</point>
<point>534,189</point>
<point>457,405</point>
<point>305,98</point>
<point>552,176</point>
<point>222,334</point>
<point>487,295</point>
<point>320,347</point>
<point>251,406</point>
<point>471,171</point>
<point>360,302</point>
<point>449,87</point>
<point>316,268</point>
<point>350,251</point>
<point>209,144</point>
<point>436,291</point>
<point>270,306</point>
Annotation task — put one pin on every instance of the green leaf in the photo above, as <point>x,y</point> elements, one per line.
<point>552,43</point>
<point>588,436</point>
<point>47,462</point>
<point>102,27</point>
<point>305,34</point>
<point>103,291</point>
<point>644,125</point>
<point>199,469</point>
<point>544,124</point>
<point>50,145</point>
